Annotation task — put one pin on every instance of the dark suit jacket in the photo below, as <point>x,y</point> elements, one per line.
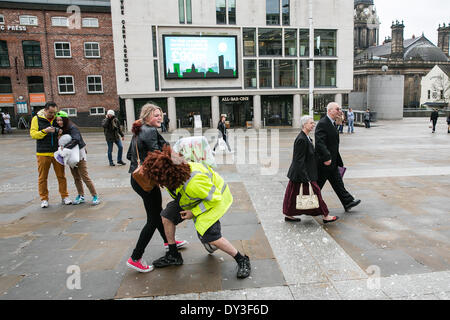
<point>434,115</point>
<point>303,167</point>
<point>327,143</point>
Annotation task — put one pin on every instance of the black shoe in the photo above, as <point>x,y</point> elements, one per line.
<point>111,164</point>
<point>352,204</point>
<point>244,268</point>
<point>292,219</point>
<point>168,260</point>
<point>121,163</point>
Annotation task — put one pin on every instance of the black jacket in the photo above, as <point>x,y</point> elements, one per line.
<point>327,143</point>
<point>77,139</point>
<point>148,140</point>
<point>303,167</point>
<point>111,128</point>
<point>434,115</point>
<point>221,127</point>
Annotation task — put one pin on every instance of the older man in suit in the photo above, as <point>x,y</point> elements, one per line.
<point>328,157</point>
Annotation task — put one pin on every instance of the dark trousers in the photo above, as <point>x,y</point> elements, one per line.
<point>434,124</point>
<point>118,142</point>
<point>153,206</point>
<point>367,123</point>
<point>331,173</point>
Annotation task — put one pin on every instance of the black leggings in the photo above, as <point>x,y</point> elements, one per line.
<point>153,206</point>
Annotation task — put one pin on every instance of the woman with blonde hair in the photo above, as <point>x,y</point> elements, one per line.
<point>146,138</point>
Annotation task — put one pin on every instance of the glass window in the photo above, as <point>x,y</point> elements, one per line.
<point>231,11</point>
<point>4,55</point>
<point>290,42</point>
<point>285,12</point>
<point>91,50</point>
<point>277,110</point>
<point>265,73</point>
<point>304,73</point>
<point>188,11</point>
<point>35,84</point>
<point>5,85</point>
<point>249,38</point>
<point>181,10</point>
<point>28,20</point>
<point>249,74</point>
<point>94,84</point>
<point>32,54</point>
<point>325,43</point>
<point>59,22</point>
<point>65,84</point>
<point>2,19</point>
<point>154,42</point>
<point>325,73</point>
<point>96,111</point>
<point>71,112</point>
<point>304,42</point>
<point>62,50</point>
<point>156,74</point>
<point>269,41</point>
<point>285,73</point>
<point>273,12</point>
<point>221,14</point>
<point>89,22</point>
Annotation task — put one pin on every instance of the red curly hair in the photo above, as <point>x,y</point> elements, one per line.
<point>167,168</point>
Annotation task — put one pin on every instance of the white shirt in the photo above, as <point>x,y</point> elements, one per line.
<point>6,117</point>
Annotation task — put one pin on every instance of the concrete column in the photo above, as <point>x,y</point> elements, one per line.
<point>297,111</point>
<point>172,113</point>
<point>338,98</point>
<point>129,111</point>
<point>215,111</point>
<point>257,112</point>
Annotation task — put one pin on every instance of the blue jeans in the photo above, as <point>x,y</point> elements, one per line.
<point>350,126</point>
<point>118,142</point>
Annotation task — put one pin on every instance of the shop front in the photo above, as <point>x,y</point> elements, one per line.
<point>277,110</point>
<point>189,107</point>
<point>238,109</point>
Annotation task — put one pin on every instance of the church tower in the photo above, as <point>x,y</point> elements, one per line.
<point>366,25</point>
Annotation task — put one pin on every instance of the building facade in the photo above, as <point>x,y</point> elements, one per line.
<point>246,59</point>
<point>436,87</point>
<point>367,26</point>
<point>61,52</point>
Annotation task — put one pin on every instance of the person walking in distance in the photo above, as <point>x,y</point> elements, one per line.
<point>79,172</point>
<point>198,193</point>
<point>329,158</point>
<point>113,134</point>
<point>350,120</point>
<point>146,138</point>
<point>222,133</point>
<point>7,120</point>
<point>433,119</point>
<point>46,136</point>
<point>303,170</point>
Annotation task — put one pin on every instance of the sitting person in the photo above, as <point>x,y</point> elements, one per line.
<point>199,193</point>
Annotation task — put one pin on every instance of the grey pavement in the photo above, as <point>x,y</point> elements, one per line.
<point>394,245</point>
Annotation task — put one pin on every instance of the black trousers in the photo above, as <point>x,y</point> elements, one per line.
<point>153,206</point>
<point>331,173</point>
<point>434,124</point>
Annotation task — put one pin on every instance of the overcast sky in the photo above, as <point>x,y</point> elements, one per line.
<point>418,16</point>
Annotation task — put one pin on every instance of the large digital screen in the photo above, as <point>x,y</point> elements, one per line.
<point>200,57</point>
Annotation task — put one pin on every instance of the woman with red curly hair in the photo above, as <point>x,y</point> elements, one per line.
<point>146,138</point>
<point>199,193</point>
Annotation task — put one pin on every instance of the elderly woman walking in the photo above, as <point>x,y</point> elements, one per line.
<point>303,170</point>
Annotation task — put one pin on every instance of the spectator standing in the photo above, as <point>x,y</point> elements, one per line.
<point>113,134</point>
<point>433,119</point>
<point>366,117</point>
<point>7,119</point>
<point>2,122</point>
<point>350,120</point>
<point>46,136</point>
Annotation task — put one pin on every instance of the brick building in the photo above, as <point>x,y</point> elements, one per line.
<point>57,52</point>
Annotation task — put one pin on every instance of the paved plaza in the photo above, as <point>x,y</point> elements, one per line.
<point>394,245</point>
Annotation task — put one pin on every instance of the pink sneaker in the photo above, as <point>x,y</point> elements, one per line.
<point>139,265</point>
<point>179,244</point>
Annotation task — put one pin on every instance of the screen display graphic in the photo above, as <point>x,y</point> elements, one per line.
<point>200,57</point>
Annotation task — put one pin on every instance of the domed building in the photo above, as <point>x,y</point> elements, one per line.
<point>413,58</point>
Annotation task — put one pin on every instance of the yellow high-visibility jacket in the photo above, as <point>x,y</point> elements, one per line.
<point>206,194</point>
